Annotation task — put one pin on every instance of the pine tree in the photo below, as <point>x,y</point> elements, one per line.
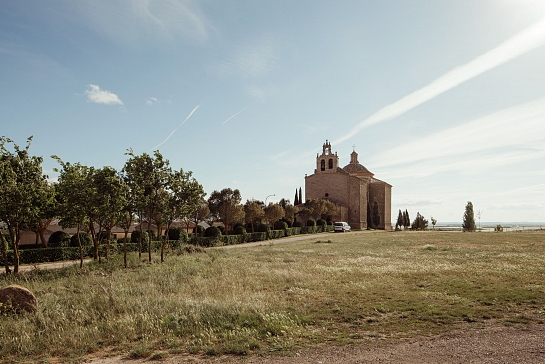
<point>399,222</point>
<point>296,200</point>
<point>407,220</point>
<point>469,218</point>
<point>301,196</point>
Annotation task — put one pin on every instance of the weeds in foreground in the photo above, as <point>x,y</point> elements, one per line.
<point>279,297</point>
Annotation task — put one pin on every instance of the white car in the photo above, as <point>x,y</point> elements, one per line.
<point>342,227</point>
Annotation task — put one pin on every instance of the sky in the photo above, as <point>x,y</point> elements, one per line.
<point>444,100</point>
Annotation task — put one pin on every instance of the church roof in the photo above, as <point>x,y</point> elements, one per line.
<point>355,168</point>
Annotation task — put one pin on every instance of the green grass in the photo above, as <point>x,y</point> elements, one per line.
<point>342,289</point>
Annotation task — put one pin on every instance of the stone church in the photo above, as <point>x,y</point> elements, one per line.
<point>352,188</point>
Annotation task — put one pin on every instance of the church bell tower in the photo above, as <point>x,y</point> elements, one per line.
<point>327,162</point>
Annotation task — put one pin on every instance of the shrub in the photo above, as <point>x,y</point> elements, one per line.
<point>174,233</point>
<point>311,222</point>
<point>280,225</point>
<point>59,239</point>
<point>297,224</point>
<point>263,228</point>
<point>85,238</point>
<point>321,222</point>
<point>240,230</point>
<point>199,230</point>
<point>212,232</point>
<point>136,235</point>
<point>498,228</point>
<point>152,234</point>
<point>237,225</point>
<point>221,229</point>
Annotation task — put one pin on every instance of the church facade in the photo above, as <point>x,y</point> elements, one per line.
<point>352,188</point>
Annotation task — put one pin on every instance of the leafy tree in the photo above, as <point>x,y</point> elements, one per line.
<point>273,213</point>
<point>406,220</point>
<point>469,218</point>
<point>253,213</point>
<point>74,189</point>
<point>23,187</point>
<point>433,222</point>
<point>183,196</point>
<point>320,208</point>
<point>419,222</point>
<point>399,222</point>
<point>150,173</point>
<point>48,204</point>
<point>289,213</point>
<point>375,214</point>
<point>225,206</point>
<point>201,213</point>
<point>59,238</point>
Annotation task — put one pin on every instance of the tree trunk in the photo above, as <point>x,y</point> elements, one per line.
<point>16,251</point>
<point>109,238</point>
<point>125,247</point>
<point>80,249</point>
<point>42,237</point>
<point>5,252</point>
<point>140,243</point>
<point>149,240</point>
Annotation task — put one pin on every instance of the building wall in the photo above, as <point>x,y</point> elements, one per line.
<point>334,184</point>
<point>357,214</point>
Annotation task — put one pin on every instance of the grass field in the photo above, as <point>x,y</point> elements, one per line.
<point>352,287</point>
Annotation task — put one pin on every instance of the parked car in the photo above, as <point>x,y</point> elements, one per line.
<point>342,227</point>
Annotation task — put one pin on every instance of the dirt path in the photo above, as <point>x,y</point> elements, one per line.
<point>490,344</point>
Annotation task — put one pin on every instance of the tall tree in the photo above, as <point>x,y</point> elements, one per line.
<point>225,206</point>
<point>469,218</point>
<point>183,197</point>
<point>301,197</point>
<point>375,214</point>
<point>399,222</point>
<point>150,173</point>
<point>296,200</point>
<point>320,208</point>
<point>74,188</point>
<point>290,211</point>
<point>273,213</point>
<point>406,220</point>
<point>253,212</point>
<point>419,223</point>
<point>24,188</point>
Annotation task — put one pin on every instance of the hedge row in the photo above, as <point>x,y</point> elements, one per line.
<point>55,254</point>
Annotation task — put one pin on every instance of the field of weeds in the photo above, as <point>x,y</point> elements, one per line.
<point>339,288</point>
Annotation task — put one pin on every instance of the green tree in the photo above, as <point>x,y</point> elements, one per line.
<point>406,220</point>
<point>273,213</point>
<point>296,200</point>
<point>253,213</point>
<point>469,218</point>
<point>24,188</point>
<point>399,222</point>
<point>433,222</point>
<point>419,223</point>
<point>74,189</point>
<point>225,206</point>
<point>150,174</point>
<point>321,208</point>
<point>375,214</point>
<point>183,197</point>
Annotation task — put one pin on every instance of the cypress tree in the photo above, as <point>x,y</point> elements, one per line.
<point>375,214</point>
<point>407,220</point>
<point>399,222</point>
<point>469,218</point>
<point>296,200</point>
<point>300,196</point>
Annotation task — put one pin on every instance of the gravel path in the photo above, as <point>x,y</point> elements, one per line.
<point>491,344</point>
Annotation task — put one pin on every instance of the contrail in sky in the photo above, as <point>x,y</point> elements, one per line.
<point>235,115</point>
<point>522,42</point>
<point>188,116</point>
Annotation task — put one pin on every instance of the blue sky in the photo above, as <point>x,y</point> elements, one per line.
<point>445,100</point>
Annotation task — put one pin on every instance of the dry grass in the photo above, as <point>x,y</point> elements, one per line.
<point>277,297</point>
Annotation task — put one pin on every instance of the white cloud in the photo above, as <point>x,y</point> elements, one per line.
<point>136,22</point>
<point>520,127</point>
<point>97,95</point>
<point>523,42</point>
<point>151,100</point>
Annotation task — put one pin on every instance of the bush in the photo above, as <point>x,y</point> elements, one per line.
<point>263,228</point>
<point>329,223</point>
<point>297,224</point>
<point>174,233</point>
<point>136,235</point>
<point>321,222</point>
<point>280,225</point>
<point>311,222</point>
<point>152,234</point>
<point>59,239</point>
<point>233,239</point>
<point>199,230</point>
<point>498,228</point>
<point>240,230</point>
<point>212,232</point>
<point>85,238</point>
<point>237,225</point>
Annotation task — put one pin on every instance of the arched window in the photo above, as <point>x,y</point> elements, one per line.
<point>330,163</point>
<point>323,165</point>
